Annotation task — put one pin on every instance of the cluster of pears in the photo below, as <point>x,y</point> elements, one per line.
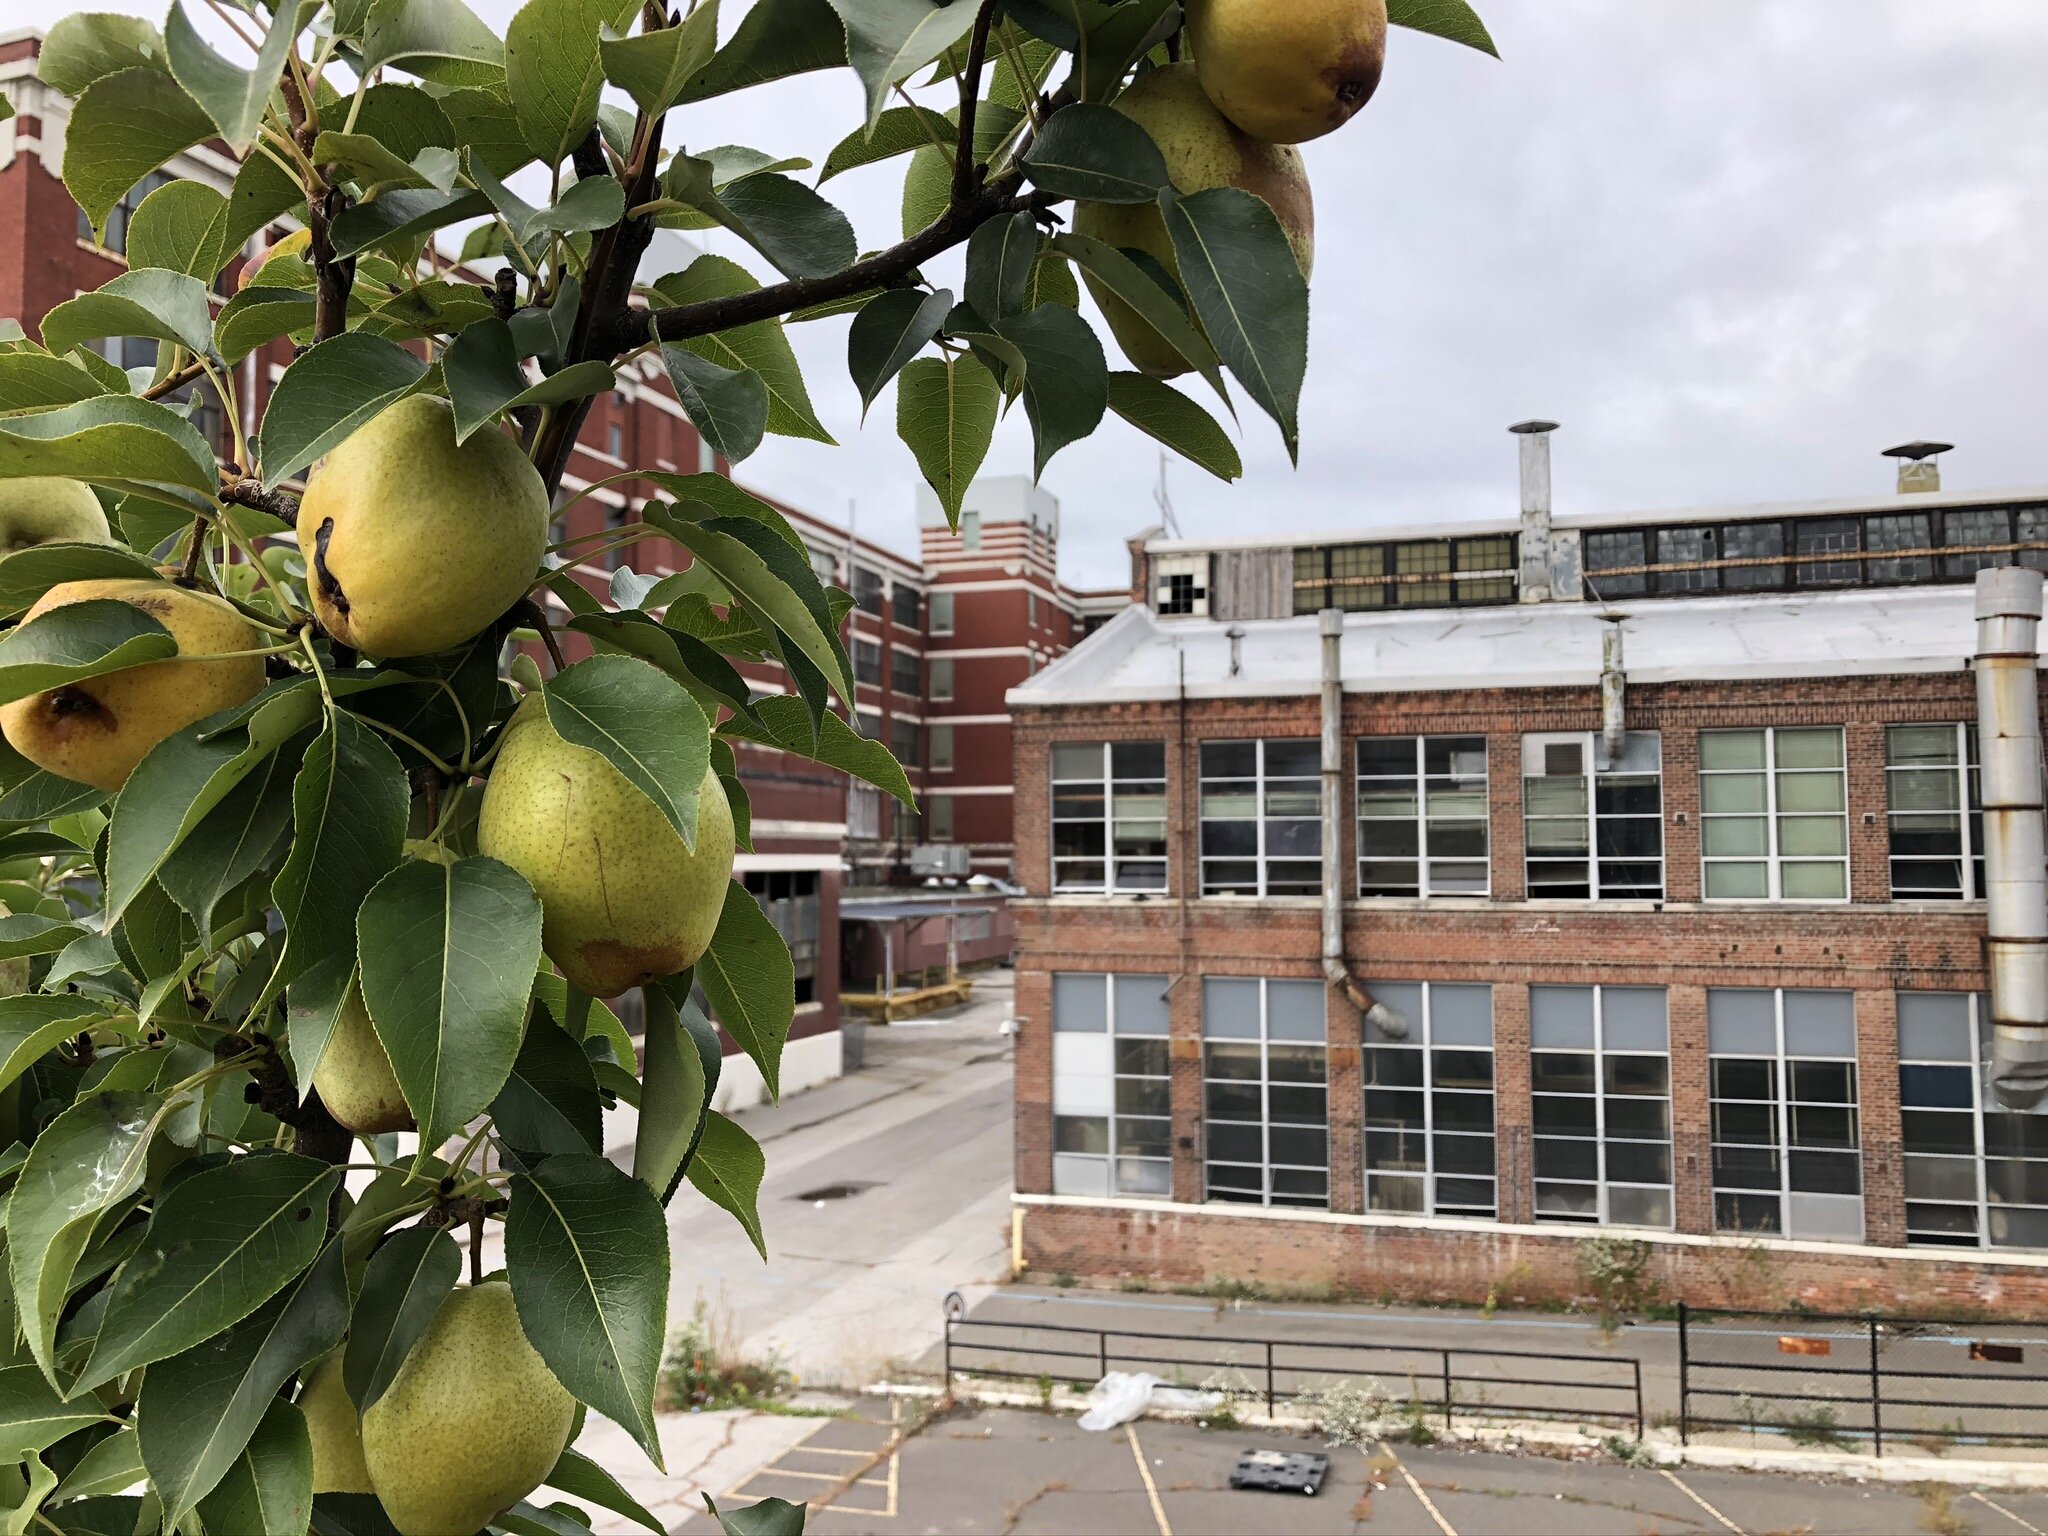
<point>1265,75</point>
<point>472,1422</point>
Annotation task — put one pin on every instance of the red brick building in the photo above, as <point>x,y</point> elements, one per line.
<point>1660,839</point>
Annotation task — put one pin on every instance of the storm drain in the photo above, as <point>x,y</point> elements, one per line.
<point>841,1191</point>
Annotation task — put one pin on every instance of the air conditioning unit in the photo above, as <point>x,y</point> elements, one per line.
<point>942,861</point>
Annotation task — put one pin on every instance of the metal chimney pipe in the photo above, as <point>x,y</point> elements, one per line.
<point>1336,965</point>
<point>2016,873</point>
<point>1535,547</point>
<point>1613,694</point>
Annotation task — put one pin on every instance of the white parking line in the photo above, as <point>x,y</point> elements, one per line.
<point>1703,1504</point>
<point>2015,1519</point>
<point>1145,1475</point>
<point>1415,1488</point>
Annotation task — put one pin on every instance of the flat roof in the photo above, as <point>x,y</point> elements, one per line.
<point>1860,632</point>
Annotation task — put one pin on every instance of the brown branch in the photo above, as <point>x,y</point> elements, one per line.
<point>531,612</point>
<point>964,163</point>
<point>171,383</point>
<point>247,491</point>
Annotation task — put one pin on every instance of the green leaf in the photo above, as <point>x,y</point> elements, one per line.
<point>31,380</point>
<point>1000,256</point>
<point>403,1287</point>
<point>134,446</point>
<point>549,1104</point>
<point>760,345</point>
<point>727,1171</point>
<point>1155,306</point>
<point>774,40</point>
<point>30,1026</point>
<point>257,316</point>
<point>1160,411</point>
<point>87,45</point>
<point>313,1005</point>
<point>678,1076</point>
<point>641,721</point>
<point>587,205</point>
<point>33,1417</point>
<point>887,41</point>
<point>656,67</point>
<point>349,807</point>
<point>401,216</point>
<point>1241,275</point>
<point>447,953</point>
<point>790,224</point>
<point>262,192</point>
<point>440,40</point>
<point>234,839</point>
<point>897,131</point>
<point>554,72</point>
<point>712,680</point>
<point>946,410</point>
<point>889,332</point>
<point>487,127</point>
<point>109,1466</point>
<point>180,227</point>
<point>365,157</point>
<point>220,1244</point>
<point>123,127</point>
<point>331,390</point>
<point>79,640</point>
<point>783,723</point>
<point>149,302</point>
<point>748,978</point>
<point>1098,154</point>
<point>232,96</point>
<point>581,1478</point>
<point>269,1487</point>
<point>484,378</point>
<point>1066,389</point>
<point>728,406</point>
<point>1452,19</point>
<point>764,1517</point>
<point>587,1252</point>
<point>198,1409</point>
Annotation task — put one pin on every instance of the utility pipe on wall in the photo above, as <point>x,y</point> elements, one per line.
<point>1336,967</point>
<point>1613,694</point>
<point>2015,861</point>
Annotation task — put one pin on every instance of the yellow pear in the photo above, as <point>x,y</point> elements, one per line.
<point>471,1423</point>
<point>354,1077</point>
<point>97,730</point>
<point>1288,70</point>
<point>45,509</point>
<point>623,902</point>
<point>1203,149</point>
<point>336,1430</point>
<point>413,544</point>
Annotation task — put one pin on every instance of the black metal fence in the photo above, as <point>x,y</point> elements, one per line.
<point>1436,1381</point>
<point>1840,1381</point>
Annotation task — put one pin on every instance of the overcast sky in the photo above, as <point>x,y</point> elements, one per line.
<point>1735,249</point>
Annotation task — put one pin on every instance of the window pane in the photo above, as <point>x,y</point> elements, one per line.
<point>1141,1005</point>
<point>1731,749</point>
<point>1080,1003</point>
<point>1561,1016</point>
<point>1815,882</point>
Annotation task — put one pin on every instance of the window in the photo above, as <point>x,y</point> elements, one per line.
<point>1936,812</point>
<point>1774,814</point>
<point>1182,585</point>
<point>707,458</point>
<point>1977,526</point>
<point>1427,573</point>
<point>1262,832</point>
<point>1617,550</point>
<point>1758,543</point>
<point>942,613</point>
<point>942,748</point>
<point>938,818</point>
<point>1600,1073</point>
<point>867,661</point>
<point>615,440</point>
<point>867,590</point>
<point>1687,546</point>
<point>939,676</point>
<point>1593,830</point>
<point>906,605</point>
<point>790,898</point>
<point>1109,816</point>
<point>824,566</point>
<point>863,811</point>
<point>1264,1092</point>
<point>1422,816</point>
<point>905,675</point>
<point>1900,530</point>
<point>970,531</point>
<point>1031,610</point>
<point>1976,1175</point>
<point>1782,1085</point>
<point>1429,1147</point>
<point>904,741</point>
<point>123,211</point>
<point>1112,1126</point>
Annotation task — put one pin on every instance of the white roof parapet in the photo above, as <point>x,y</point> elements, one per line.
<point>1138,657</point>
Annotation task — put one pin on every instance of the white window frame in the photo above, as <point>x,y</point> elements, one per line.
<point>1261,859</point>
<point>1265,1041</point>
<point>938,679</point>
<point>1422,817</point>
<point>894,675</point>
<point>1590,747</point>
<point>1604,1182</point>
<point>1112,882</point>
<point>937,602</point>
<point>938,818</point>
<point>1969,809</point>
<point>936,761</point>
<point>1772,859</point>
<point>1421,1038</point>
<point>863,645</point>
<point>1114,1158</point>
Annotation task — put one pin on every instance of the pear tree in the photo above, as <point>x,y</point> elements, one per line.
<point>321,860</point>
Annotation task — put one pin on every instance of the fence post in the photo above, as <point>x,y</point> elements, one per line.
<point>1447,1389</point>
<point>1101,1353</point>
<point>1638,1364</point>
<point>1269,1379</point>
<point>1876,1411</point>
<point>949,1354</point>
<point>1684,1379</point>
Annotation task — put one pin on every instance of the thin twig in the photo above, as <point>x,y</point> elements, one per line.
<point>247,491</point>
<point>527,611</point>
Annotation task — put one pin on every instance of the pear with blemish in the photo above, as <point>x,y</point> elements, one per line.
<point>1288,70</point>
<point>46,509</point>
<point>415,543</point>
<point>623,902</point>
<point>95,731</point>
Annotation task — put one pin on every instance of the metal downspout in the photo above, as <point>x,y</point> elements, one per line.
<point>1336,966</point>
<point>1613,694</point>
<point>2015,865</point>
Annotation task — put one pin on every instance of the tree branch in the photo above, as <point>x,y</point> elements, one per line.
<point>247,491</point>
<point>964,165</point>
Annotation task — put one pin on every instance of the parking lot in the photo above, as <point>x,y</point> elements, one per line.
<point>1022,1473</point>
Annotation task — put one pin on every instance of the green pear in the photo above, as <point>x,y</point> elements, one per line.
<point>623,902</point>
<point>354,1077</point>
<point>414,544</point>
<point>13,973</point>
<point>336,1430</point>
<point>1288,70</point>
<point>97,730</point>
<point>43,509</point>
<point>471,1423</point>
<point>1203,149</point>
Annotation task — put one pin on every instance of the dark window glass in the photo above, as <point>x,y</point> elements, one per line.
<point>1757,542</point>
<point>1827,536</point>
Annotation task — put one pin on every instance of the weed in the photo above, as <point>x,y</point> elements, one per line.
<point>1416,1428</point>
<point>1615,1269</point>
<point>1347,1412</point>
<point>1630,1453</point>
<point>1135,1285</point>
<point>1938,1510</point>
<point>1064,1280</point>
<point>1045,1385</point>
<point>702,1368</point>
<point>1817,1427</point>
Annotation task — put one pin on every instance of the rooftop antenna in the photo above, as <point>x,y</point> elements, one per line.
<point>1164,502</point>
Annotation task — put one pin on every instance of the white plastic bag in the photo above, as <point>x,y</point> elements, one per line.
<point>1122,1396</point>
